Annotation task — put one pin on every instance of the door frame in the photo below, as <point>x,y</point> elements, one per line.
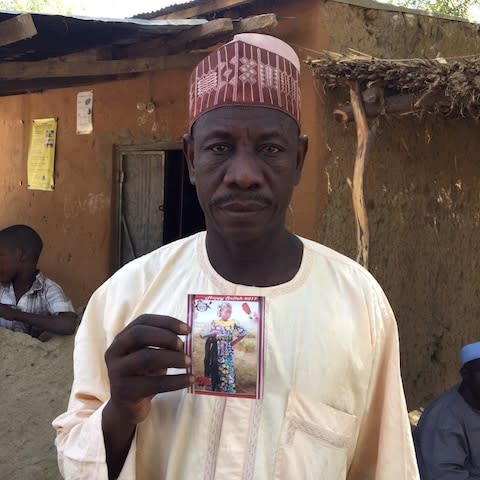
<point>119,154</point>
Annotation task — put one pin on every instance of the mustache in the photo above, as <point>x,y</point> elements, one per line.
<point>244,197</point>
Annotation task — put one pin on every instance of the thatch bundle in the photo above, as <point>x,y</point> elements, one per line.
<point>450,86</point>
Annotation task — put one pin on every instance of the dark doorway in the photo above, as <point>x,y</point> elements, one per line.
<point>156,202</point>
<point>183,215</point>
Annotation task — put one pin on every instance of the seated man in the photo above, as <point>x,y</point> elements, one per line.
<point>447,439</point>
<point>29,301</point>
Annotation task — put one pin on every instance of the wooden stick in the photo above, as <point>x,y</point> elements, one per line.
<point>363,143</point>
<point>17,28</point>
<point>405,103</point>
<point>56,68</point>
<point>206,31</point>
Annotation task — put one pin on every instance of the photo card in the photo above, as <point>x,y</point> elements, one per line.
<point>226,344</point>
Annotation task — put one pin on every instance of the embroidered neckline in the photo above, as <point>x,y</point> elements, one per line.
<point>224,285</point>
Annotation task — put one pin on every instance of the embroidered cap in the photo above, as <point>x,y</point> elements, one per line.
<point>253,69</point>
<point>470,352</point>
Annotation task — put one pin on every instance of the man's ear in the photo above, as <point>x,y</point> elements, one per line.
<point>465,373</point>
<point>301,154</point>
<point>23,254</point>
<point>188,151</point>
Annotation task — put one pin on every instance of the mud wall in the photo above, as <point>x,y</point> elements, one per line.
<point>75,221</point>
<point>421,193</point>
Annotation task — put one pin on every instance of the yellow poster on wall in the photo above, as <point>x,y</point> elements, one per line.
<point>41,154</point>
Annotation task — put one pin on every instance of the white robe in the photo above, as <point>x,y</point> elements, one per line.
<point>333,405</point>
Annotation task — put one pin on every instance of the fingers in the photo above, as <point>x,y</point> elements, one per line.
<point>162,321</point>
<point>133,389</point>
<point>140,355</point>
<point>151,361</point>
<point>149,330</point>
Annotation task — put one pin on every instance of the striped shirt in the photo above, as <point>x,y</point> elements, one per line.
<point>44,297</point>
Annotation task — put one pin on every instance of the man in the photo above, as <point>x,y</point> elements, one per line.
<point>333,404</point>
<point>447,438</point>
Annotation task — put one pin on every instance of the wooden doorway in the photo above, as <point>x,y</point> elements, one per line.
<point>156,204</point>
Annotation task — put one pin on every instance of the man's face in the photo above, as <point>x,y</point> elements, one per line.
<point>476,383</point>
<point>244,162</point>
<point>9,262</point>
<point>471,376</point>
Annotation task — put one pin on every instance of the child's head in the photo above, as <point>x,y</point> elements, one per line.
<point>20,248</point>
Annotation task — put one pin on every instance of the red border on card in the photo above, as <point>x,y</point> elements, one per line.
<point>260,347</point>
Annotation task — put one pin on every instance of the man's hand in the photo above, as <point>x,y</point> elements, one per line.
<point>7,312</point>
<point>137,363</point>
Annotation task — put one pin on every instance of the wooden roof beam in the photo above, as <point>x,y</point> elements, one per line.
<point>176,43</point>
<point>16,29</point>
<point>202,32</point>
<point>195,38</point>
<point>16,87</point>
<point>56,68</point>
<point>212,6</point>
<point>401,104</point>
<point>258,23</point>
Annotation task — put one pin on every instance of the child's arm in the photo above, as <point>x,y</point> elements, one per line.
<point>60,317</point>
<point>62,323</point>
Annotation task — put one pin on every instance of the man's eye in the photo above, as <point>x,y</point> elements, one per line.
<point>219,148</point>
<point>270,149</point>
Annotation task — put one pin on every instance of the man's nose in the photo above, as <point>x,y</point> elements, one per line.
<point>244,170</point>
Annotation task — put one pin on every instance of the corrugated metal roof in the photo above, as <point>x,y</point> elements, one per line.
<point>170,9</point>
<point>61,35</point>
<point>371,4</point>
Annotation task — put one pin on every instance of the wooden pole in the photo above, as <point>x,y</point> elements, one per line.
<point>363,143</point>
<point>16,29</point>
<point>402,104</point>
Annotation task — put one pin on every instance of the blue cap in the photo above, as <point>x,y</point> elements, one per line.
<point>470,352</point>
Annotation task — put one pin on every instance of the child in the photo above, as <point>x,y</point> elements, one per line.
<point>29,301</point>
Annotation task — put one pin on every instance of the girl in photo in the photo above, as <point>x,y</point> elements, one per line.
<point>219,353</point>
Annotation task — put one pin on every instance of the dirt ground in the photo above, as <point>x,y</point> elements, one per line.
<point>35,383</point>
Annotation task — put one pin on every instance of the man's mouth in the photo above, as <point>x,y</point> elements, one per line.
<point>243,206</point>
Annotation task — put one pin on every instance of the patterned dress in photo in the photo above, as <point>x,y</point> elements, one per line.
<point>226,332</point>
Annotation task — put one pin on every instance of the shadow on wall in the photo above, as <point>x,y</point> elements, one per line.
<point>35,381</point>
